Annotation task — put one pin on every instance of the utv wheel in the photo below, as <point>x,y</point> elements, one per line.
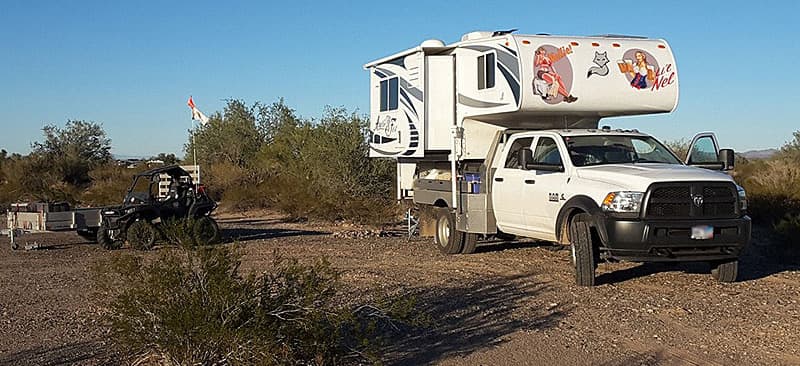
<point>583,250</point>
<point>141,235</point>
<point>447,238</point>
<point>725,271</point>
<point>205,231</point>
<point>105,241</point>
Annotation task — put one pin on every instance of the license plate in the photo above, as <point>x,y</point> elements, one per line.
<point>702,232</point>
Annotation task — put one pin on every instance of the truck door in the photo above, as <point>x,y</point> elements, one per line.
<point>704,149</point>
<point>544,191</point>
<point>507,188</point>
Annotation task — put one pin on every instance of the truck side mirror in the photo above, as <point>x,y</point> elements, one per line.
<point>727,158</point>
<point>525,157</point>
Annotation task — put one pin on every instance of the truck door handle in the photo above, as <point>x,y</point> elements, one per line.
<point>530,181</point>
<point>498,179</point>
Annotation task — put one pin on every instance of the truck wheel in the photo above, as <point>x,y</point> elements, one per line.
<point>141,235</point>
<point>447,238</point>
<point>205,231</point>
<point>470,243</point>
<point>725,271</point>
<point>583,250</point>
<point>105,240</point>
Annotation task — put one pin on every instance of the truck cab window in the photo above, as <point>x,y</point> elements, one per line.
<point>512,160</point>
<point>389,94</point>
<point>486,71</point>
<point>547,152</point>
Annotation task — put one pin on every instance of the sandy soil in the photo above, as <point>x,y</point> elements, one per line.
<point>512,303</point>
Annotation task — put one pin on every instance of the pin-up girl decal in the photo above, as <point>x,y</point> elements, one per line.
<point>547,81</point>
<point>640,70</point>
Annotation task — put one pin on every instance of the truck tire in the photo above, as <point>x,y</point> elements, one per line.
<point>105,240</point>
<point>583,250</point>
<point>205,231</point>
<point>447,238</point>
<point>141,235</point>
<point>725,271</point>
<point>470,243</point>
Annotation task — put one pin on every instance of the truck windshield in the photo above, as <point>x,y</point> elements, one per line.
<point>617,149</point>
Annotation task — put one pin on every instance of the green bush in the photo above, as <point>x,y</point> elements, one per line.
<point>194,307</point>
<point>266,156</point>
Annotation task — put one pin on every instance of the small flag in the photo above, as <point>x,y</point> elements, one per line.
<point>196,114</point>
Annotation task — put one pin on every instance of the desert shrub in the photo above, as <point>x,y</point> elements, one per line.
<point>110,182</point>
<point>322,170</point>
<point>679,147</point>
<point>788,228</point>
<point>31,178</point>
<point>266,156</point>
<point>194,307</point>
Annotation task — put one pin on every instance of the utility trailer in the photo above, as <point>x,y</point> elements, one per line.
<point>43,217</point>
<point>500,134</point>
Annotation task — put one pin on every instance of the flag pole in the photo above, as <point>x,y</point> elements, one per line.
<point>194,155</point>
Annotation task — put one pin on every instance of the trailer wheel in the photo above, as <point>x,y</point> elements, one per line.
<point>447,238</point>
<point>205,231</point>
<point>141,235</point>
<point>105,240</point>
<point>90,235</point>
<point>583,250</point>
<point>725,271</point>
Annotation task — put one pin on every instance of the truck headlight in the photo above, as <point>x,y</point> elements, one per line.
<point>623,202</point>
<point>742,198</point>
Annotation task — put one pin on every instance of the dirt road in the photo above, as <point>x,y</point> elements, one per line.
<point>509,304</point>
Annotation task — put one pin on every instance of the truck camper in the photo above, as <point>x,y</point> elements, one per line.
<point>500,134</point>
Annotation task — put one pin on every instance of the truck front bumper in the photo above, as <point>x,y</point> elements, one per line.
<point>670,240</point>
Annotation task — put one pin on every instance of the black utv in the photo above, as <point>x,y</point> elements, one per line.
<point>139,220</point>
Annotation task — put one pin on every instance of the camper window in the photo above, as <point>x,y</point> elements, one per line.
<point>389,94</point>
<point>486,71</point>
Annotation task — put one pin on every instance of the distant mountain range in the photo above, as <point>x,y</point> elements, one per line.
<point>760,154</point>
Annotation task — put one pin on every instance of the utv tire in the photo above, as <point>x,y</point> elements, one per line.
<point>447,238</point>
<point>583,250</point>
<point>725,271</point>
<point>141,235</point>
<point>205,231</point>
<point>105,240</point>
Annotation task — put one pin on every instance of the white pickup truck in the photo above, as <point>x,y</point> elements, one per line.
<point>523,155</point>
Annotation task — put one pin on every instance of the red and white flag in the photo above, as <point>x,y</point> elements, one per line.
<point>196,114</point>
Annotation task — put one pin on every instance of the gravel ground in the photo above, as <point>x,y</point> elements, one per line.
<point>511,303</point>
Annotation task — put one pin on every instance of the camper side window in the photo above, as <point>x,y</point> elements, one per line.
<point>389,94</point>
<point>486,71</point>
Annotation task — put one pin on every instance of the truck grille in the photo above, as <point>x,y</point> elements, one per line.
<point>692,200</point>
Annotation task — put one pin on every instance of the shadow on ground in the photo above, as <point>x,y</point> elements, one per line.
<point>498,245</point>
<point>465,319</point>
<point>764,257</point>
<point>89,352</point>
<point>247,234</point>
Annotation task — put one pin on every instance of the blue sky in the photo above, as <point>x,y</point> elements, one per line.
<point>132,65</point>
